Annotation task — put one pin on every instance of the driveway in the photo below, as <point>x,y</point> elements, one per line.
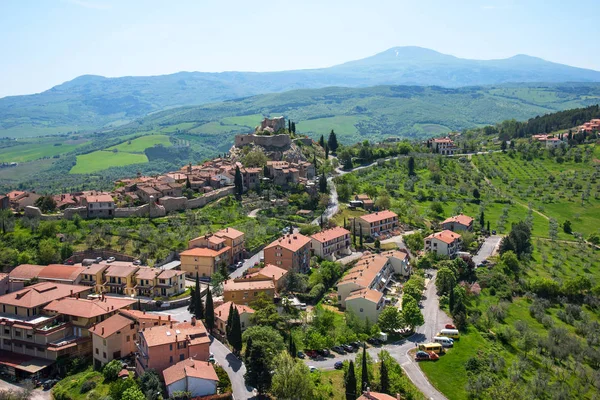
<point>435,320</point>
<point>488,248</point>
<point>231,364</point>
<point>398,239</point>
<point>247,264</point>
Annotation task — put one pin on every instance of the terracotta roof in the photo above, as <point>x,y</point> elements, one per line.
<point>165,334</point>
<point>25,271</point>
<point>94,268</point>
<point>461,219</point>
<point>2,276</point>
<point>40,294</point>
<point>121,270</point>
<point>222,312</point>
<point>270,271</point>
<point>229,233</point>
<point>190,368</point>
<point>105,198</point>
<point>147,273</point>
<point>395,253</point>
<point>230,285</point>
<point>369,294</point>
<point>170,273</point>
<point>365,270</point>
<point>14,194</point>
<point>204,252</point>
<point>137,315</point>
<point>378,216</point>
<point>376,396</point>
<point>445,236</point>
<point>215,240</point>
<point>61,272</point>
<point>292,242</point>
<point>111,325</point>
<point>330,234</point>
<point>88,308</point>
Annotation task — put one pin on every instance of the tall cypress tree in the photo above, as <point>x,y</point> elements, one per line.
<point>236,332</point>
<point>238,182</point>
<point>360,235</point>
<point>293,127</point>
<point>248,350</point>
<point>192,306</point>
<point>323,183</point>
<point>482,220</point>
<point>209,312</point>
<point>384,378</point>
<point>315,161</point>
<point>289,125</point>
<point>350,383</point>
<point>229,319</point>
<point>322,142</point>
<point>411,166</point>
<point>364,370</point>
<point>326,152</point>
<point>332,142</point>
<point>198,306</point>
<point>488,226</point>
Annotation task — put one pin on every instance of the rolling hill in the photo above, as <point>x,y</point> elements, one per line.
<point>92,102</point>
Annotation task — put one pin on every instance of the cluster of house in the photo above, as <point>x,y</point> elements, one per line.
<point>550,141</point>
<point>447,242</point>
<point>444,146</point>
<point>591,126</point>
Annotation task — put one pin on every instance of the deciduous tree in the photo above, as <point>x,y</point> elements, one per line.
<point>292,379</point>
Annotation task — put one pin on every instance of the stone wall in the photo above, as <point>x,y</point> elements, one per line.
<point>266,141</point>
<point>34,212</point>
<point>152,210</point>
<point>173,203</point>
<point>69,213</point>
<point>304,141</point>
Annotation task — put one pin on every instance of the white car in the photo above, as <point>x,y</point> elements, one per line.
<point>110,259</point>
<point>313,368</point>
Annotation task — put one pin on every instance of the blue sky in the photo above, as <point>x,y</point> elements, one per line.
<point>45,43</point>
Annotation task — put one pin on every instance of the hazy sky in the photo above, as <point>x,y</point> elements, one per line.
<point>44,43</point>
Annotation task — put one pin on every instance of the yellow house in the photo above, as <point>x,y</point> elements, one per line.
<point>241,291</point>
<point>93,275</point>
<point>203,261</point>
<point>145,281</point>
<point>120,278</point>
<point>170,283</point>
<point>235,240</point>
<point>367,304</point>
<point>113,338</point>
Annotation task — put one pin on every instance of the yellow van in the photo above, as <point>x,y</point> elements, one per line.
<point>435,347</point>
<point>451,333</point>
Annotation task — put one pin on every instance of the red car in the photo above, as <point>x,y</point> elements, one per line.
<point>311,353</point>
<point>450,326</point>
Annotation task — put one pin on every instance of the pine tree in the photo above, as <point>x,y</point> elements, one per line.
<point>322,142</point>
<point>350,383</point>
<point>258,371</point>
<point>238,182</point>
<point>332,142</point>
<point>210,312</point>
<point>248,350</point>
<point>323,183</point>
<point>365,369</point>
<point>384,378</point>
<point>236,332</point>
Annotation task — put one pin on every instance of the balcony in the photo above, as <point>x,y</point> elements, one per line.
<point>141,352</point>
<point>67,342</point>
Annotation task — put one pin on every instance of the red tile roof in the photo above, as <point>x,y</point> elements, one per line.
<point>88,308</point>
<point>61,272</point>
<point>369,294</point>
<point>190,368</point>
<point>165,334</point>
<point>40,294</point>
<point>170,273</point>
<point>330,234</point>
<point>121,270</point>
<point>104,198</point>
<point>378,216</point>
<point>110,326</point>
<point>204,252</point>
<point>147,273</point>
<point>365,270</point>
<point>229,233</point>
<point>376,396</point>
<point>270,271</point>
<point>137,315</point>
<point>25,271</point>
<point>230,285</point>
<point>292,242</point>
<point>461,219</point>
<point>445,236</point>
<point>222,312</point>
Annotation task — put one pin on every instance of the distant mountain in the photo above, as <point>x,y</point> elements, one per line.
<point>91,102</point>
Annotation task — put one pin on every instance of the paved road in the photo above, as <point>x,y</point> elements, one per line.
<point>254,213</point>
<point>37,394</point>
<point>231,364</point>
<point>487,249</point>
<point>398,239</point>
<point>247,264</point>
<point>332,207</point>
<point>435,319</point>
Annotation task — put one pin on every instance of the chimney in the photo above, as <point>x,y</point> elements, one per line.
<point>103,330</point>
<point>169,317</point>
<point>193,321</point>
<point>171,326</point>
<point>219,313</point>
<point>71,292</point>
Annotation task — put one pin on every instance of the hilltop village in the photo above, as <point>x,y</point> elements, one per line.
<point>348,273</point>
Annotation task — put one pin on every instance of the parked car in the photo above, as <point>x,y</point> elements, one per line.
<point>301,355</point>
<point>339,349</point>
<point>450,326</point>
<point>211,359</point>
<point>338,365</point>
<point>421,356</point>
<point>69,262</point>
<point>98,259</point>
<point>204,279</point>
<point>110,259</point>
<point>493,232</point>
<point>137,262</point>
<point>48,384</point>
<point>239,264</point>
<point>348,348</point>
<point>433,356</point>
<point>374,341</point>
<point>358,344</point>
<point>312,368</point>
<point>311,353</point>
<point>324,352</point>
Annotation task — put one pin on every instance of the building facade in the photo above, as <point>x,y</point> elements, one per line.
<point>289,252</point>
<point>377,223</point>
<point>444,243</point>
<point>331,243</point>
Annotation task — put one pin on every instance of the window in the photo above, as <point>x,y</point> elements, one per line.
<point>128,338</point>
<point>97,351</point>
<point>28,347</point>
<point>181,357</point>
<point>361,310</point>
<point>6,331</point>
<point>134,336</point>
<point>103,354</point>
<point>171,348</point>
<point>104,342</point>
<point>17,333</point>
<point>171,359</point>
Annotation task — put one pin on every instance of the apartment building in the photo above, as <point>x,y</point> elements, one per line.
<point>367,304</point>
<point>459,222</point>
<point>268,272</point>
<point>30,338</point>
<point>377,223</point>
<point>444,243</point>
<point>203,261</point>
<point>145,281</point>
<point>222,315</point>
<point>444,146</point>
<point>235,240</point>
<point>112,339</point>
<point>399,260</point>
<point>289,252</point>
<point>159,347</point>
<point>331,243</point>
<point>93,275</point>
<point>67,274</point>
<point>241,291</point>
<point>170,283</point>
<point>120,278</point>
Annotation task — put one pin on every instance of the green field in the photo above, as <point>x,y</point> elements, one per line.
<point>250,121</point>
<point>343,125</point>
<point>100,160</point>
<point>212,128</point>
<point>71,385</point>
<point>433,129</point>
<point>142,143</point>
<point>30,151</point>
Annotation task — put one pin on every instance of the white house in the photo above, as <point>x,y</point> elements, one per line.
<point>444,243</point>
<point>331,243</point>
<point>399,260</point>
<point>459,222</point>
<point>197,377</point>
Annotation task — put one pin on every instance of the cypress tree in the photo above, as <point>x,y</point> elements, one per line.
<point>411,166</point>
<point>350,382</point>
<point>198,306</point>
<point>210,311</point>
<point>229,323</point>
<point>192,306</point>
<point>238,182</point>
<point>266,171</point>
<point>332,142</point>
<point>326,152</point>
<point>384,381</point>
<point>323,183</point>
<point>361,235</point>
<point>293,127</point>
<point>289,125</point>
<point>488,226</point>
<point>236,332</point>
<point>188,184</point>
<point>315,161</point>
<point>365,369</point>
<point>322,142</point>
<point>482,220</point>
<point>248,350</point>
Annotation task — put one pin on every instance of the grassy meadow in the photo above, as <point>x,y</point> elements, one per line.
<point>142,143</point>
<point>103,159</point>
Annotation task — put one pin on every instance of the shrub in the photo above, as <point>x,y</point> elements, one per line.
<point>111,370</point>
<point>87,386</point>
